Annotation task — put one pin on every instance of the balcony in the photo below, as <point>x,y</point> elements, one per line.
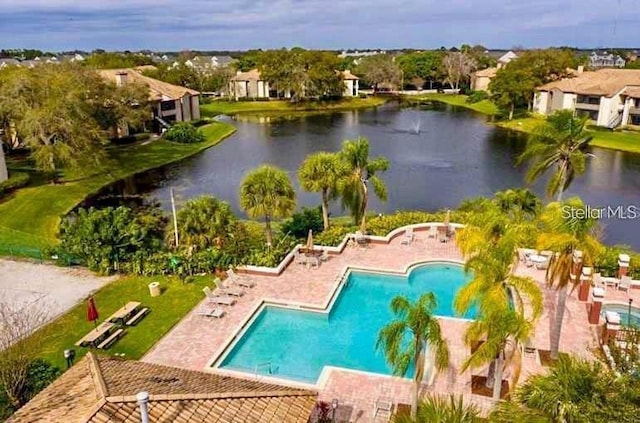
<point>634,110</point>
<point>588,106</point>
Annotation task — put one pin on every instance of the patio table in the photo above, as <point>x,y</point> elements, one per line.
<point>121,315</point>
<point>93,338</point>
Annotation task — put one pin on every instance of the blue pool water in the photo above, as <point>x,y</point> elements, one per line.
<point>296,345</point>
<point>623,310</point>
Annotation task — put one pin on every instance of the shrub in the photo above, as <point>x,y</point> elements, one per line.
<point>382,225</point>
<point>300,223</point>
<point>16,180</point>
<point>607,261</point>
<point>333,236</point>
<point>477,96</point>
<point>184,133</point>
<point>108,238</point>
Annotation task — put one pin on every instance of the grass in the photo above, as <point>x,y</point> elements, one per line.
<point>485,106</point>
<point>30,217</point>
<point>176,300</point>
<point>628,141</point>
<point>223,107</point>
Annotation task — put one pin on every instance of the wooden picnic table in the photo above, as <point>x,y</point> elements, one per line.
<point>93,337</point>
<point>121,315</point>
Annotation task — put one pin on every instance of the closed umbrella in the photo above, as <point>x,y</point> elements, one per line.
<point>310,241</point>
<point>92,312</point>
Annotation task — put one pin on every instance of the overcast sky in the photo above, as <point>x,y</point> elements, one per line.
<point>330,24</point>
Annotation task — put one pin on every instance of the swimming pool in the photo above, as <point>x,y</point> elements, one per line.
<point>297,345</point>
<point>623,310</point>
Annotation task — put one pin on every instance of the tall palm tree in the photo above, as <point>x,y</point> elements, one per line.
<point>565,232</point>
<point>320,172</point>
<point>362,169</point>
<point>443,409</point>
<point>561,142</point>
<point>417,321</point>
<point>267,192</point>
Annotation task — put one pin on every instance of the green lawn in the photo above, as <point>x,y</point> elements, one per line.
<point>29,218</point>
<point>619,140</point>
<point>484,106</point>
<point>176,300</point>
<point>219,107</point>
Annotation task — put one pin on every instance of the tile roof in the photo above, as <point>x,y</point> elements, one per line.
<point>252,75</point>
<point>632,92</point>
<point>158,90</point>
<point>606,82</point>
<point>346,74</point>
<point>100,389</point>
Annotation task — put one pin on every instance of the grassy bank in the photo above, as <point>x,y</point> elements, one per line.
<point>176,300</point>
<point>628,141</point>
<point>223,107</point>
<point>29,218</point>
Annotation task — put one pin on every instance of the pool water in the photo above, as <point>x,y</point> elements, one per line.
<point>297,345</point>
<point>623,310</point>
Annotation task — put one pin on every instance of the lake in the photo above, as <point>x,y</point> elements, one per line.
<point>440,155</point>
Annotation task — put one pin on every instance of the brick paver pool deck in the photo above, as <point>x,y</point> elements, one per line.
<point>197,340</point>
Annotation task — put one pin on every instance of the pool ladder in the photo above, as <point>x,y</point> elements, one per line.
<point>262,365</point>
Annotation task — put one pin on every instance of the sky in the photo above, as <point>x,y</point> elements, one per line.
<point>171,25</point>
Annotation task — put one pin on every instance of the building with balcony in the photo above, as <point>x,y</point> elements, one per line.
<point>610,97</point>
<point>605,60</point>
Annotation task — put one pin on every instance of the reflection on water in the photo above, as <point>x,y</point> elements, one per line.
<point>439,156</point>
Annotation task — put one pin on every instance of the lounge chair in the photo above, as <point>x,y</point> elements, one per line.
<point>542,265</point>
<point>360,239</point>
<point>324,256</point>
<point>407,239</point>
<point>382,409</point>
<point>214,312</point>
<point>234,278</point>
<point>625,284</point>
<point>218,299</point>
<point>597,281</point>
<point>232,291</point>
<point>433,232</point>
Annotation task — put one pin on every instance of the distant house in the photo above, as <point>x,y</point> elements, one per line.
<point>351,84</point>
<point>170,103</point>
<point>251,85</point>
<point>611,97</point>
<point>101,389</point>
<point>480,79</point>
<point>605,60</point>
<point>204,63</point>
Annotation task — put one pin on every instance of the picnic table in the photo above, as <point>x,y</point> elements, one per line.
<point>121,315</point>
<point>94,337</point>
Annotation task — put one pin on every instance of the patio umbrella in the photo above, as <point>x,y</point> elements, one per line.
<point>310,241</point>
<point>92,312</point>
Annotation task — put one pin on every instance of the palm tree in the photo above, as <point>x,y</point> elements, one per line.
<point>354,187</point>
<point>574,390</point>
<point>267,192</point>
<point>320,172</point>
<point>497,334</point>
<point>565,232</point>
<point>519,203</point>
<point>560,142</point>
<point>418,321</point>
<point>441,409</point>
<point>204,222</point>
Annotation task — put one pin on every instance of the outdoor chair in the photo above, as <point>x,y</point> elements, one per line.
<point>241,281</point>
<point>299,258</point>
<point>433,232</point>
<point>218,299</point>
<point>597,281</point>
<point>233,291</point>
<point>407,239</point>
<point>360,239</point>
<point>625,283</point>
<point>382,409</point>
<point>216,313</point>
<point>324,256</point>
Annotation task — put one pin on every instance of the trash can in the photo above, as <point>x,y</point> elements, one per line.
<point>154,289</point>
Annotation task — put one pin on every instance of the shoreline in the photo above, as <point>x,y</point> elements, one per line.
<point>626,141</point>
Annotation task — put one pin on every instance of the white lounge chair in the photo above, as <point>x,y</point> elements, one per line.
<point>216,313</point>
<point>232,291</point>
<point>407,239</point>
<point>218,299</point>
<point>234,278</point>
<point>597,281</point>
<point>382,409</point>
<point>625,284</point>
<point>433,232</point>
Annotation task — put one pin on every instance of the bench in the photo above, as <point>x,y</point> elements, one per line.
<point>111,339</point>
<point>139,315</point>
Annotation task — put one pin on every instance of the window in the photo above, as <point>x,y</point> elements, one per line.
<point>168,105</point>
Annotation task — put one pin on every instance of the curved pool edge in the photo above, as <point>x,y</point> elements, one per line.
<point>213,364</point>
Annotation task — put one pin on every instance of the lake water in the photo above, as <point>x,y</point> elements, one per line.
<point>439,156</point>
